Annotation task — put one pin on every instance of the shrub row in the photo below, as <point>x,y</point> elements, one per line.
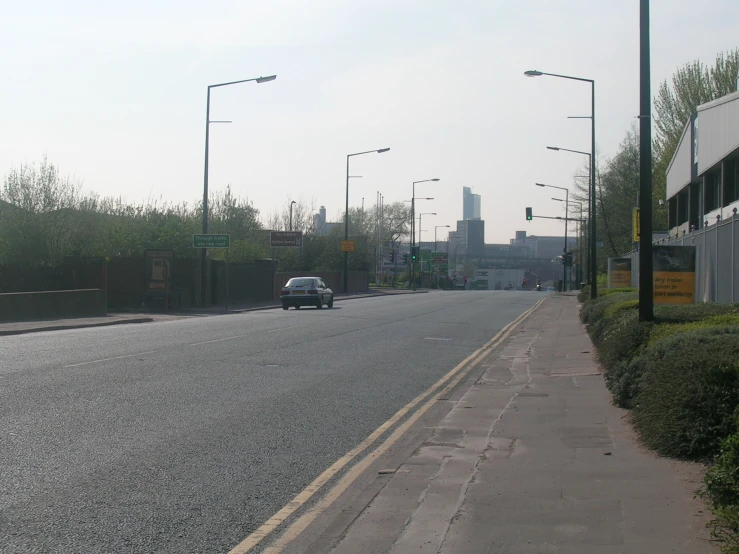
<point>680,376</point>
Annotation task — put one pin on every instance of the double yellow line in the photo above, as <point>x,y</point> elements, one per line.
<point>451,380</point>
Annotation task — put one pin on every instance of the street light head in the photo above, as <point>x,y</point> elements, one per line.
<point>434,179</point>
<point>266,79</point>
<point>381,150</point>
<point>540,184</point>
<point>533,73</point>
<point>557,199</point>
<point>553,148</point>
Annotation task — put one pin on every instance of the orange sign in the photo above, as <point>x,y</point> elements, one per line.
<point>347,246</point>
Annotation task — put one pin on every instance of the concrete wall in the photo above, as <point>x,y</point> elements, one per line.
<point>20,306</point>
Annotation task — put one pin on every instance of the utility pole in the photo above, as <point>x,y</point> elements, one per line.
<point>646,283</point>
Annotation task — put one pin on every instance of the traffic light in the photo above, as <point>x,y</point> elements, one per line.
<point>405,259</point>
<point>523,284</point>
<point>568,259</point>
<point>415,250</point>
<point>392,257</point>
<point>529,214</point>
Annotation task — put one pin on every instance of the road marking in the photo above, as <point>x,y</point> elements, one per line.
<point>285,328</point>
<point>242,336</point>
<point>217,340</point>
<point>109,359</point>
<point>451,380</point>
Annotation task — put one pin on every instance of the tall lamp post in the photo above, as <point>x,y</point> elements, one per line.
<point>346,213</point>
<point>436,247</point>
<point>420,230</point>
<point>591,208</point>
<point>590,172</point>
<point>413,227</point>
<point>291,213</point>
<point>646,278</point>
<point>203,266</point>
<point>578,275</point>
<point>567,211</point>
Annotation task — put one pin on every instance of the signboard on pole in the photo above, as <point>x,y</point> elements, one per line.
<point>635,224</point>
<point>347,246</point>
<point>211,241</point>
<point>674,274</point>
<point>286,238</point>
<point>619,273</point>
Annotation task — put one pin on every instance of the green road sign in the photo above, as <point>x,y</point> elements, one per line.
<point>211,241</point>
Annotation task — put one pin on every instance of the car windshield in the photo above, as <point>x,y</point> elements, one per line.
<point>301,283</point>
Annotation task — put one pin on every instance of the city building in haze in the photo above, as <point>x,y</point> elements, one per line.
<point>320,225</point>
<point>470,204</point>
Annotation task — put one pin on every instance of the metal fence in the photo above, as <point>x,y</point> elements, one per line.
<point>716,264</point>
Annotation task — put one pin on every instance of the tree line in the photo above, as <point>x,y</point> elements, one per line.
<point>45,217</point>
<point>617,179</point>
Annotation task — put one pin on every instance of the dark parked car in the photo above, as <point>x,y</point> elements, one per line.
<point>306,291</point>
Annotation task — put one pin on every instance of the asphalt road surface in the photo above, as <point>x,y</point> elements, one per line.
<point>186,435</point>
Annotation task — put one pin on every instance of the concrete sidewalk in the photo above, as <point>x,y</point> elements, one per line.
<point>533,458</point>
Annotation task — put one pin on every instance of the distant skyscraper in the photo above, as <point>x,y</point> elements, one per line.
<point>470,204</point>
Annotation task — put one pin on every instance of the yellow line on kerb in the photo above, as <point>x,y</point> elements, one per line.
<point>451,380</point>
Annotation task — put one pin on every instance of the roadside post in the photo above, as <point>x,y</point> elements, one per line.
<point>211,240</point>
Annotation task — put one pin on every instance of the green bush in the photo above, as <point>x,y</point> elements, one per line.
<point>687,392</point>
<point>623,341</point>
<point>608,292</point>
<point>594,310</point>
<point>618,307</point>
<point>721,490</point>
<point>665,330</point>
<point>692,312</point>
<point>584,294</point>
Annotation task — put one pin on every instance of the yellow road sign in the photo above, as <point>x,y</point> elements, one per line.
<point>635,224</point>
<point>347,246</point>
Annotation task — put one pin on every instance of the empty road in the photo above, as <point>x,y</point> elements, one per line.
<point>187,435</point>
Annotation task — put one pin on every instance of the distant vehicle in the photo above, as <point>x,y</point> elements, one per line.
<point>551,289</point>
<point>306,291</point>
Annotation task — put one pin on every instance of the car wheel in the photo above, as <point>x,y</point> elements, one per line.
<point>285,306</point>
<point>297,306</point>
<point>319,303</point>
<point>331,302</point>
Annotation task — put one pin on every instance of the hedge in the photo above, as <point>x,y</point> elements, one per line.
<point>721,490</point>
<point>688,391</point>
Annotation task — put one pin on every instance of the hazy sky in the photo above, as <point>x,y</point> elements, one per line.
<point>115,94</point>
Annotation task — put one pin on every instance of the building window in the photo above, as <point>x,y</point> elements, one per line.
<point>731,192</point>
<point>682,207</point>
<point>672,212</point>
<point>712,197</point>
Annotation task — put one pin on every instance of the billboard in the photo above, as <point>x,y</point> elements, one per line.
<point>619,273</point>
<point>285,238</point>
<point>673,274</point>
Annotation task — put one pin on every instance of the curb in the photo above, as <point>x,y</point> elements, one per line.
<point>79,326</point>
<point>279,306</point>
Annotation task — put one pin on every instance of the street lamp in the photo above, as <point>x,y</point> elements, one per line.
<point>420,228</point>
<point>346,213</point>
<point>291,213</point>
<point>591,207</point>
<point>436,247</point>
<point>578,274</point>
<point>590,165</point>
<point>203,271</point>
<point>567,211</point>
<point>413,227</point>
